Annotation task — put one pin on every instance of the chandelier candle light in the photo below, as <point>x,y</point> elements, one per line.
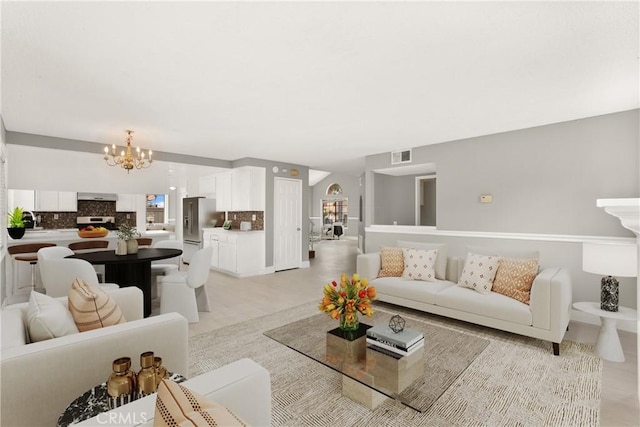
<point>126,159</point>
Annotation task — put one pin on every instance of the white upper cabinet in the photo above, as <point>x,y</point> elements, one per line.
<point>24,199</point>
<point>223,191</point>
<point>128,202</point>
<point>208,186</point>
<point>56,201</point>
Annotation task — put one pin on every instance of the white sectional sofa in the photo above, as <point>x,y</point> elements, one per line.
<point>38,380</point>
<point>546,317</point>
<point>242,386</point>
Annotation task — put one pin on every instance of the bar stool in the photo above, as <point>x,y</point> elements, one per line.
<point>144,241</point>
<point>27,253</point>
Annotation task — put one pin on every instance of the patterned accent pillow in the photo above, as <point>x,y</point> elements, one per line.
<point>514,278</point>
<point>176,405</point>
<point>478,272</point>
<point>419,264</point>
<point>391,262</point>
<point>92,308</point>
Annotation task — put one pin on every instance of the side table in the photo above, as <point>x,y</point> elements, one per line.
<point>94,402</point>
<point>608,345</point>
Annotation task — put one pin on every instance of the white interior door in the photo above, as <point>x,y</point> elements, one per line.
<point>287,231</point>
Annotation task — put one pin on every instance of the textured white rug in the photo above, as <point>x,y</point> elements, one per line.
<point>514,381</point>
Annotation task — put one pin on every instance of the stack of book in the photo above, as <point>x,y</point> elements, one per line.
<point>402,343</point>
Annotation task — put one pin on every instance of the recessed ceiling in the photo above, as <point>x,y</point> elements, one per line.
<point>320,84</point>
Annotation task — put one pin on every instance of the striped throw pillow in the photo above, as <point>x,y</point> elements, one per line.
<point>178,406</point>
<point>92,308</point>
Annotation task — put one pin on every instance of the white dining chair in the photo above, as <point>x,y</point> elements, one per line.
<point>186,292</point>
<point>165,266</point>
<point>59,273</point>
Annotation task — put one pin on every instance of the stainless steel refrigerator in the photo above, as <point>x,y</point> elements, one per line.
<point>197,212</point>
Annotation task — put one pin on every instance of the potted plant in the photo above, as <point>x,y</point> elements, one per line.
<point>127,234</point>
<point>16,224</point>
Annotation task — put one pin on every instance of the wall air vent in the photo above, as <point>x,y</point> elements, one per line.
<point>400,157</point>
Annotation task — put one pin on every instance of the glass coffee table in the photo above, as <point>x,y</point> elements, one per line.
<point>370,376</point>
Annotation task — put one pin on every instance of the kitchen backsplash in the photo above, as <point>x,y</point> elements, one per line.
<point>240,216</point>
<point>85,208</point>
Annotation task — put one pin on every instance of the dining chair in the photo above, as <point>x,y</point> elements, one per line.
<point>186,292</point>
<point>144,242</point>
<point>88,246</point>
<point>162,267</point>
<point>59,274</point>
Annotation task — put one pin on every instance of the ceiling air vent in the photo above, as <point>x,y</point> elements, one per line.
<point>400,157</point>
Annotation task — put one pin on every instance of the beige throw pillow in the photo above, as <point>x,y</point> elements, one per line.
<point>178,406</point>
<point>478,272</point>
<point>419,265</point>
<point>391,262</point>
<point>92,308</point>
<point>514,278</point>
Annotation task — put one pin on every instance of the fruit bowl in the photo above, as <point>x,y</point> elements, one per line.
<point>100,232</point>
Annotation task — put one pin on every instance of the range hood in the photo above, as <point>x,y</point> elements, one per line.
<point>101,197</point>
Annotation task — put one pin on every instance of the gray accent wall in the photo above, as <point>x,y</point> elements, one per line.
<point>543,180</point>
<point>394,199</point>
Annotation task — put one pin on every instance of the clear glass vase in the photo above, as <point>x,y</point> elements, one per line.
<point>349,321</point>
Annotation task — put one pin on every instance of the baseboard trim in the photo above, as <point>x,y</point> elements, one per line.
<point>622,325</point>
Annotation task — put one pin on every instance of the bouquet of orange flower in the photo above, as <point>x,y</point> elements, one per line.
<point>346,300</point>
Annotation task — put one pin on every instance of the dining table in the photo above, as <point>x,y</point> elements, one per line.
<point>130,269</point>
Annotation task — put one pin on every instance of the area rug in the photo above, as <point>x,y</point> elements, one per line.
<point>514,381</point>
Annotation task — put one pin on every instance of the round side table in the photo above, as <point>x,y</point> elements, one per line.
<point>608,345</point>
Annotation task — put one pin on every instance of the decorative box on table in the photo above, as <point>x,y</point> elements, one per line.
<point>347,346</point>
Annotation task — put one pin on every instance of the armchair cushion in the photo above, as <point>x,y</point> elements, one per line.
<point>48,318</point>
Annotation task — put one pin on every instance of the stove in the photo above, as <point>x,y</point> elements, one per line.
<point>108,222</point>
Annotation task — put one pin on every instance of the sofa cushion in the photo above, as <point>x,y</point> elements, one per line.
<point>178,406</point>
<point>391,262</point>
<point>14,333</point>
<point>419,264</point>
<point>478,272</point>
<point>441,260</point>
<point>413,290</point>
<point>515,277</point>
<point>492,305</point>
<point>48,318</point>
<point>92,308</point>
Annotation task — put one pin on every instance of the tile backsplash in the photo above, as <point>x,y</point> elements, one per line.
<point>240,216</point>
<point>85,208</point>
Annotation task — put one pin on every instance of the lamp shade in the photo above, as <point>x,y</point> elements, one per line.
<point>610,259</point>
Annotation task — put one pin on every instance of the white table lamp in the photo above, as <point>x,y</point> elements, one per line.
<point>610,259</point>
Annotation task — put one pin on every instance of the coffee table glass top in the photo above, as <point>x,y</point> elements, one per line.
<point>447,354</point>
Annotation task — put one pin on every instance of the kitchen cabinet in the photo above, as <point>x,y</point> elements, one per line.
<point>129,202</point>
<point>207,186</point>
<point>241,189</point>
<point>24,199</point>
<point>223,191</point>
<point>238,253</point>
<point>56,201</point>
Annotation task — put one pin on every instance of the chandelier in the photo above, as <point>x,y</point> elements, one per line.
<point>126,159</point>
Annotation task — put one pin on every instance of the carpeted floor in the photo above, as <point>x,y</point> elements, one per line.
<point>514,381</point>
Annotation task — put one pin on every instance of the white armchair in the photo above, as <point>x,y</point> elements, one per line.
<point>40,379</point>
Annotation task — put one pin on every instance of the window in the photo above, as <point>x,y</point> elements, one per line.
<point>334,190</point>
<point>335,210</point>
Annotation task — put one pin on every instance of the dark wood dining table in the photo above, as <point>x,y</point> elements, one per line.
<point>131,269</point>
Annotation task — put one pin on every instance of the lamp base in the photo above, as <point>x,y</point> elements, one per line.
<point>609,293</point>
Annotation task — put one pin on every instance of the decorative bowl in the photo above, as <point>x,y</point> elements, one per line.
<point>93,233</point>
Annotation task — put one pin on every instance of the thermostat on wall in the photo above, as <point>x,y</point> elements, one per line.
<point>486,198</point>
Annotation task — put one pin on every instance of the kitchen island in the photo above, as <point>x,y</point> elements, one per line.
<point>17,275</point>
